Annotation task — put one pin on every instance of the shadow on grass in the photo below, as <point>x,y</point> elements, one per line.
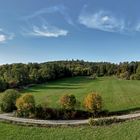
<point>28,90</point>
<point>127,111</point>
<point>38,88</point>
<point>73,80</point>
<point>58,87</point>
<point>68,83</point>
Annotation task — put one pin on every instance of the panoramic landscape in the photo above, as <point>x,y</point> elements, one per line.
<point>69,70</point>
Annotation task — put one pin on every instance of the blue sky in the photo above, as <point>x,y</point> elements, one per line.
<point>47,30</point>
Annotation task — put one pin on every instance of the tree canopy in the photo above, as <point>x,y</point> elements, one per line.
<point>19,75</point>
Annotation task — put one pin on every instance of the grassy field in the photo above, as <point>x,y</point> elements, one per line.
<point>117,94</point>
<point>125,131</point>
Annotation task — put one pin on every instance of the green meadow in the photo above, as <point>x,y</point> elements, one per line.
<point>117,95</point>
<point>123,131</point>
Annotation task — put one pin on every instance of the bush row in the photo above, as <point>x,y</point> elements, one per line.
<point>60,114</point>
<point>105,121</point>
<point>25,106</point>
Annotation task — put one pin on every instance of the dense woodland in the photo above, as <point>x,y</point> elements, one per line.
<point>20,75</point>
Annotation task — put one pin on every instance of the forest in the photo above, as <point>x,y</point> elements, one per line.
<point>20,75</point>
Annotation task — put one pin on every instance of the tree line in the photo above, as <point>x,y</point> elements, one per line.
<point>19,75</point>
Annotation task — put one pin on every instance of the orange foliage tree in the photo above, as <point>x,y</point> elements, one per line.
<point>93,102</point>
<point>25,104</point>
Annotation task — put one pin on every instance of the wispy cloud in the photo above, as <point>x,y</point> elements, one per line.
<point>46,31</point>
<point>5,36</point>
<point>2,38</point>
<point>61,9</point>
<point>43,27</point>
<point>137,27</point>
<point>102,20</point>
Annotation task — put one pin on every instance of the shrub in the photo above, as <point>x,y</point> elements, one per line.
<point>133,77</point>
<point>3,85</point>
<point>91,121</point>
<point>25,105</point>
<point>68,102</point>
<point>69,114</point>
<point>93,103</point>
<point>136,76</point>
<point>62,114</point>
<point>125,75</point>
<point>43,112</point>
<point>8,100</point>
<point>94,76</point>
<point>105,121</point>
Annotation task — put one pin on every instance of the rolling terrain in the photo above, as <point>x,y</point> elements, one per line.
<point>118,95</point>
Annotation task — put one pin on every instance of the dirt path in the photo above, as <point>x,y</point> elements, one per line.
<point>24,121</point>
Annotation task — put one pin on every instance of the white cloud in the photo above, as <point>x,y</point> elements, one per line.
<point>47,31</point>
<point>103,21</point>
<point>61,9</point>
<point>2,38</point>
<point>5,36</point>
<point>44,28</point>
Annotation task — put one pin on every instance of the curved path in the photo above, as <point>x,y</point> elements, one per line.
<point>24,121</point>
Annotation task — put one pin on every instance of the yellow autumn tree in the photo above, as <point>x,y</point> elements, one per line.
<point>25,104</point>
<point>93,102</point>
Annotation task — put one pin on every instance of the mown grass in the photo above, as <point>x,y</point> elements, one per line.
<point>117,94</point>
<point>123,131</point>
